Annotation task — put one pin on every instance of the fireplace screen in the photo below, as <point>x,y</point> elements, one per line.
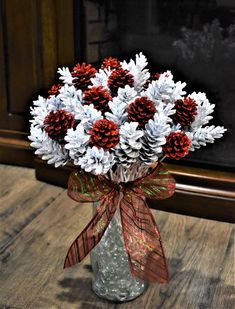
<point>193,38</point>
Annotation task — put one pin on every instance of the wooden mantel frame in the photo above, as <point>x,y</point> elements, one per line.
<point>199,192</point>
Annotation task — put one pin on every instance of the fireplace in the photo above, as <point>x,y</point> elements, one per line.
<point>195,39</point>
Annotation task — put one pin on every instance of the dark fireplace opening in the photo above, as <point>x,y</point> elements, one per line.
<point>195,39</point>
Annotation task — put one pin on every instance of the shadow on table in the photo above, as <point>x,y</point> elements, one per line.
<point>193,285</point>
<point>78,290</point>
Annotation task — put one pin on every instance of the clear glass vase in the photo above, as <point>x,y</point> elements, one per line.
<point>112,278</point>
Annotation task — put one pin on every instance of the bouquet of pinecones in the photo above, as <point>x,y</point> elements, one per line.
<point>119,115</point>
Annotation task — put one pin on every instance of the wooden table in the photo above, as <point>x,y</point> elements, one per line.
<point>38,222</point>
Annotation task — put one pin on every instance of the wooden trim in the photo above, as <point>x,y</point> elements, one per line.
<point>199,192</point>
<point>15,148</point>
<point>207,191</point>
<point>198,205</point>
<point>203,174</point>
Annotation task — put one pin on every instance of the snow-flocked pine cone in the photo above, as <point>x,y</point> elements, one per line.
<point>104,134</point>
<point>186,111</point>
<point>141,110</point>
<point>82,74</point>
<point>54,90</point>
<point>150,149</point>
<point>99,97</point>
<point>57,123</point>
<point>96,161</point>
<point>112,63</point>
<point>154,139</point>
<point>119,79</point>
<point>177,145</point>
<point>129,146</point>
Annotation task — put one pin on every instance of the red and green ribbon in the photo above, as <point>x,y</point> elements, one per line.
<point>141,235</point>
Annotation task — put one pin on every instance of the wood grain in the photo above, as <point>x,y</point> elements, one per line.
<point>39,221</point>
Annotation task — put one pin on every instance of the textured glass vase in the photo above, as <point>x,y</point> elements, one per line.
<point>112,275</point>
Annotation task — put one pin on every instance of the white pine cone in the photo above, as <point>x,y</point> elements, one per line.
<point>65,75</point>
<point>154,137</point>
<point>77,142</point>
<point>49,150</point>
<point>138,69</point>
<point>204,110</point>
<point>88,115</point>
<point>96,161</point>
<point>127,151</point>
<point>164,89</point>
<point>203,136</point>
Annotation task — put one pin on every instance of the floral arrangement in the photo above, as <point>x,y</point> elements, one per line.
<point>119,115</point>
<point>115,124</point>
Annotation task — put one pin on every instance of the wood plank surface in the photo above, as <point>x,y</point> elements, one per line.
<point>38,222</point>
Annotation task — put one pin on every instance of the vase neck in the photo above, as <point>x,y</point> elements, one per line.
<point>123,174</point>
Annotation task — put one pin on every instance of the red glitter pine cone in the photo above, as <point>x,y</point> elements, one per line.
<point>112,63</point>
<point>120,78</point>
<point>104,134</point>
<point>156,76</point>
<point>186,110</point>
<point>83,74</point>
<point>54,90</point>
<point>141,110</point>
<point>99,96</point>
<point>57,123</point>
<point>177,145</point>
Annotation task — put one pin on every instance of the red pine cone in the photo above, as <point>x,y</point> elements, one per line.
<point>57,123</point>
<point>120,78</point>
<point>54,90</point>
<point>186,110</point>
<point>156,76</point>
<point>141,110</point>
<point>111,62</point>
<point>177,145</point>
<point>83,74</point>
<point>104,134</point>
<point>99,96</point>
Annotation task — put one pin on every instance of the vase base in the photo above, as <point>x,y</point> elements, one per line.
<point>119,295</point>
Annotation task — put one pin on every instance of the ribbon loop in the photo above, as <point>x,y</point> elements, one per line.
<point>84,187</point>
<point>157,185</point>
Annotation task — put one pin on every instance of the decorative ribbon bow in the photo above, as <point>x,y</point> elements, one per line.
<point>141,235</point>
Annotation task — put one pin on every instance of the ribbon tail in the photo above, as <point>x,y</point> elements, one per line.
<point>93,232</point>
<point>142,240</point>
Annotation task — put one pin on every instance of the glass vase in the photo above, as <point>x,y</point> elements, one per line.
<point>112,278</point>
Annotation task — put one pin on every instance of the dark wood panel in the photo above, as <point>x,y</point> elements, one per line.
<point>200,192</point>
<point>35,38</point>
<point>21,44</point>
<point>66,15</point>
<point>41,221</point>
